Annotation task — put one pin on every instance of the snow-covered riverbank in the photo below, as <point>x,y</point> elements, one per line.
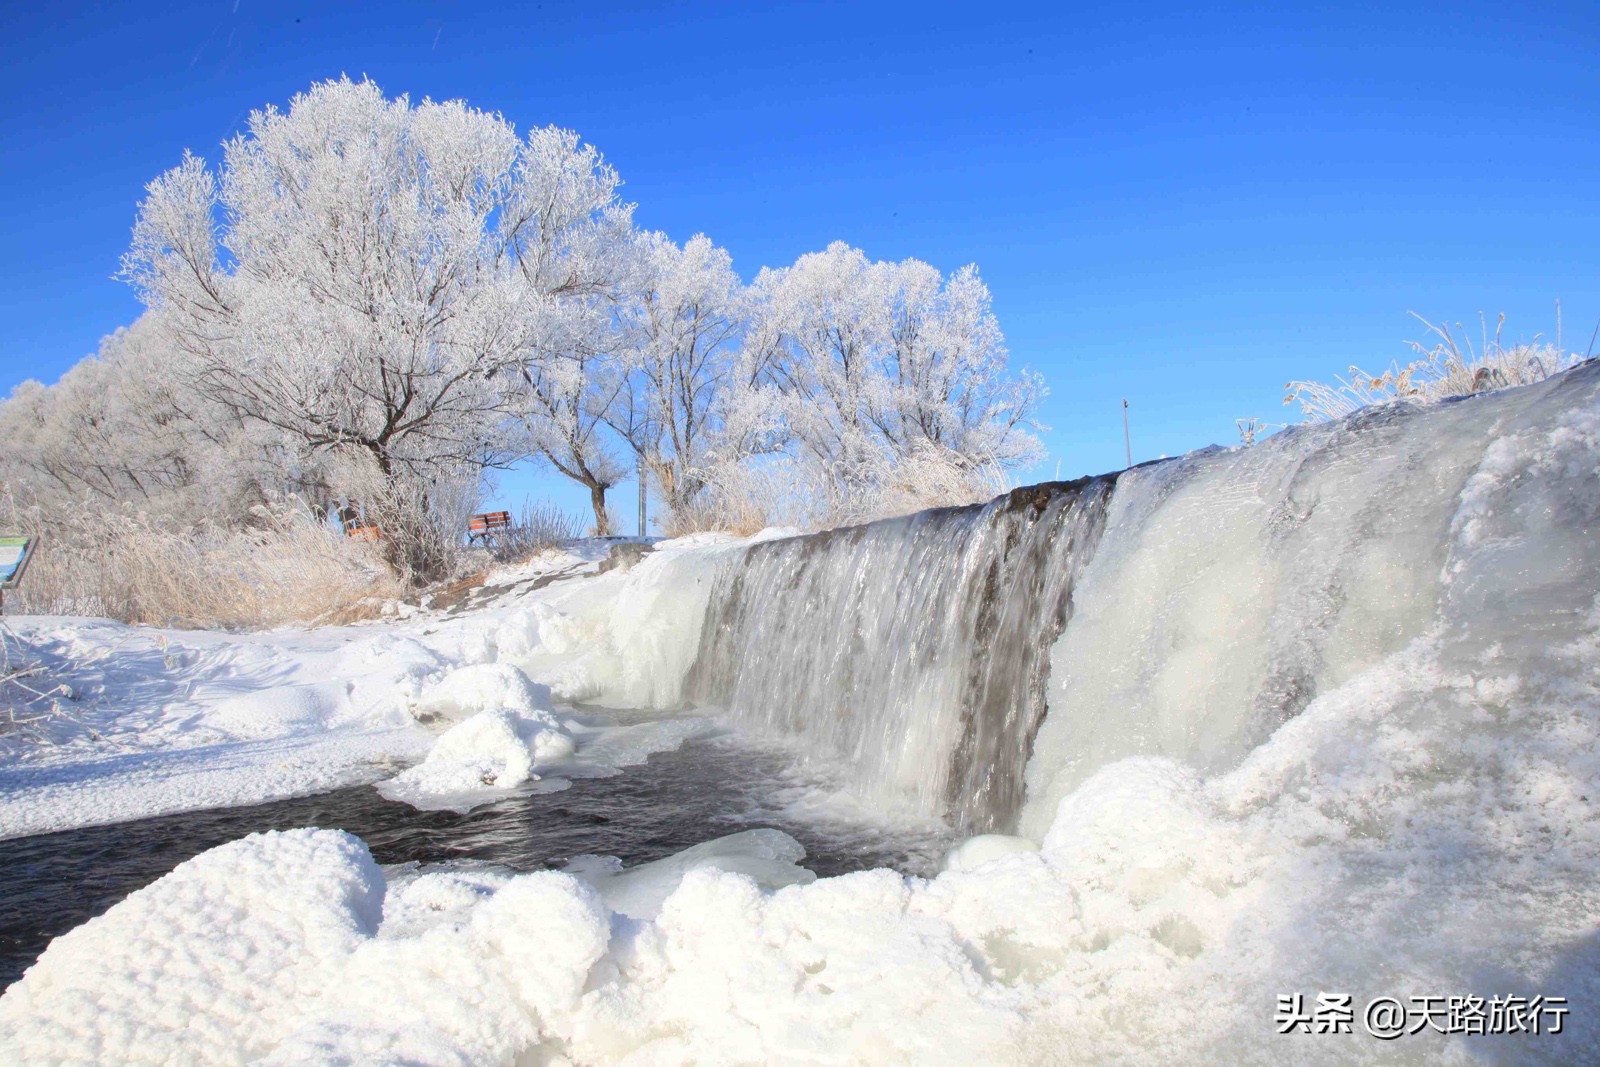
<point>162,721</point>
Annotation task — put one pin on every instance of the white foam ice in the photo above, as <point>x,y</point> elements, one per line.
<point>483,758</point>
<point>769,858</point>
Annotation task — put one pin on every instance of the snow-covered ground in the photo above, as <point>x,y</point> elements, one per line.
<point>1423,827</point>
<point>163,721</point>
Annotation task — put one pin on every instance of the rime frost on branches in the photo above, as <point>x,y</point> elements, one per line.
<point>367,275</point>
<point>871,372</point>
<point>370,302</point>
<point>680,324</point>
<point>1450,368</point>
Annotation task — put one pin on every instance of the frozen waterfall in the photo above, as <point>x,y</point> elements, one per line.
<point>981,662</point>
<point>914,649</point>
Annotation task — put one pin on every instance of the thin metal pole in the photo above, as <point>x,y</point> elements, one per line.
<point>1127,442</point>
<point>643,495</point>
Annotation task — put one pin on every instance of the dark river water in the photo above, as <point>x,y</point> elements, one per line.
<point>51,883</point>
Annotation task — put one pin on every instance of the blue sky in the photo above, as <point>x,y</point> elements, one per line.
<point>1184,206</point>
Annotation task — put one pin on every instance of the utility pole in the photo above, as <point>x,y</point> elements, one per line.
<point>1127,442</point>
<point>643,494</point>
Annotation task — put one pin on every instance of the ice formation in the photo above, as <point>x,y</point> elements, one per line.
<point>481,758</point>
<point>1323,717</point>
<point>505,726</point>
<point>915,651</point>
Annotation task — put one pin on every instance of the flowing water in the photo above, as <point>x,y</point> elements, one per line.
<point>914,650</point>
<point>710,787</point>
<point>978,663</point>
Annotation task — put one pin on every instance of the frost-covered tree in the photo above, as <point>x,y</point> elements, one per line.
<point>567,388</point>
<point>869,365</point>
<point>680,323</point>
<point>367,274</point>
<point>120,427</point>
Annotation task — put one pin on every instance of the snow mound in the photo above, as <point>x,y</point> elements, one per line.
<point>274,712</point>
<point>419,901</point>
<point>504,727</point>
<point>481,759</point>
<point>504,976</point>
<point>394,655</point>
<point>770,858</point>
<point>974,852</point>
<point>208,965</point>
<point>466,691</point>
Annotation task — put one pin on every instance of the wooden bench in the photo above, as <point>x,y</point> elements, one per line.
<point>487,524</point>
<point>364,533</point>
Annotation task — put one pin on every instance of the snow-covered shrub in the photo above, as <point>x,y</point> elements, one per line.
<point>808,494</point>
<point>99,559</point>
<point>538,527</point>
<point>421,517</point>
<point>736,498</point>
<point>1450,368</point>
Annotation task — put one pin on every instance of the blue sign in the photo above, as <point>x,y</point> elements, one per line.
<point>14,555</point>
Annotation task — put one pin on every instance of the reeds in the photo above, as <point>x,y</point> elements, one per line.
<point>1451,367</point>
<point>287,566</point>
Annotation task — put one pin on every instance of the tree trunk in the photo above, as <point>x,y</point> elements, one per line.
<point>602,521</point>
<point>380,453</point>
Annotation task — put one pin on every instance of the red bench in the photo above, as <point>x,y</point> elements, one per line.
<point>487,524</point>
<point>364,533</point>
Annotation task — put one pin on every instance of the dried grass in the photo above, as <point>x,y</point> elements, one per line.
<point>1450,368</point>
<point>29,698</point>
<point>539,527</point>
<point>421,522</point>
<point>122,564</point>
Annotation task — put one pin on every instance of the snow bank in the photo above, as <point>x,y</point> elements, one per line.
<point>169,721</point>
<point>208,965</point>
<point>138,785</point>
